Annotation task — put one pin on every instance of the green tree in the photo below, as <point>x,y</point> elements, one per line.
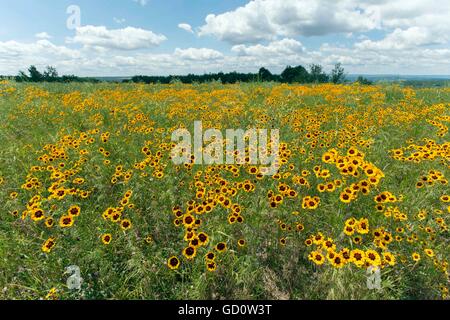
<point>338,74</point>
<point>50,74</point>
<point>22,77</point>
<point>363,80</point>
<point>35,75</point>
<point>295,74</point>
<point>264,75</point>
<point>316,74</point>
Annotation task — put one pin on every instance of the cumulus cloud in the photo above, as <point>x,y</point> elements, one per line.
<point>407,13</point>
<point>412,36</point>
<point>276,55</point>
<point>43,35</point>
<point>412,32</point>
<point>267,19</point>
<point>186,27</point>
<point>128,38</point>
<point>15,56</point>
<point>402,39</point>
<point>373,59</point>
<point>200,54</point>
<point>35,49</point>
<point>282,47</point>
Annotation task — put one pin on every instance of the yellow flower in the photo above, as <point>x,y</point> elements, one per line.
<point>338,261</point>
<point>318,238</point>
<point>210,256</point>
<point>211,266</point>
<point>66,221</point>
<point>125,224</point>
<point>37,214</point>
<point>49,222</point>
<point>316,257</point>
<point>429,253</point>
<point>149,239</point>
<point>373,258</point>
<point>48,245</point>
<point>173,263</point>
<point>221,247</point>
<point>106,238</point>
<point>328,245</point>
<point>74,211</point>
<point>363,226</point>
<point>358,257</point>
<point>190,252</point>
<point>52,294</point>
<point>389,258</point>
<point>349,230</point>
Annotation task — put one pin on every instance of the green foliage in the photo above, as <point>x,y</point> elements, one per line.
<point>362,80</point>
<point>35,75</point>
<point>49,75</point>
<point>130,268</point>
<point>338,74</point>
<point>317,75</point>
<point>265,75</point>
<point>295,74</point>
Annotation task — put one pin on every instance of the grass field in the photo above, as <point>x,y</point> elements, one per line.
<point>86,180</point>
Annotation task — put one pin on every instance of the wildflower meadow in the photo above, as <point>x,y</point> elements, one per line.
<point>94,207</point>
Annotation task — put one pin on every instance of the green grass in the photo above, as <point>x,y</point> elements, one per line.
<point>34,116</point>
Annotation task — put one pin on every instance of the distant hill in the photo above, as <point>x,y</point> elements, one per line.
<point>398,77</point>
<point>112,79</point>
<point>350,77</point>
<point>412,80</point>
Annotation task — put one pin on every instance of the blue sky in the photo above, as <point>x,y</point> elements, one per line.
<point>23,18</point>
<point>125,37</point>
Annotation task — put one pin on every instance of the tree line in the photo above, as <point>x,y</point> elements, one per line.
<point>49,75</point>
<point>297,74</point>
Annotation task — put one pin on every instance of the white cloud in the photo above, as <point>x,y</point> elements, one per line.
<point>262,20</point>
<point>35,49</point>
<point>199,54</point>
<point>16,56</point>
<point>415,33</point>
<point>408,13</point>
<point>119,20</point>
<point>375,59</point>
<point>403,39</point>
<point>267,19</point>
<point>402,36</point>
<point>128,38</point>
<point>141,2</point>
<point>284,47</point>
<point>43,35</point>
<point>186,27</point>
